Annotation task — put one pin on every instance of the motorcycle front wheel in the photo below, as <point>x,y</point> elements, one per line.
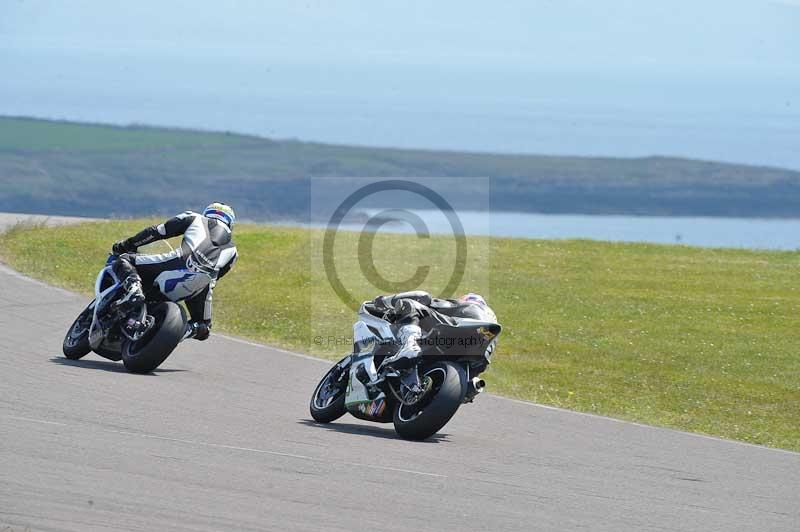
<point>148,352</point>
<point>327,403</point>
<point>76,342</point>
<point>423,419</point>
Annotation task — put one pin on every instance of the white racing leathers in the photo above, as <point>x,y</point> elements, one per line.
<point>189,272</point>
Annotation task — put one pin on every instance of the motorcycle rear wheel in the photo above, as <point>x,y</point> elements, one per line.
<point>423,420</point>
<point>150,351</point>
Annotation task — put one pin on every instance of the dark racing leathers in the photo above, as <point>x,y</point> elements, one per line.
<point>419,308</point>
<point>207,248</point>
<point>410,312</point>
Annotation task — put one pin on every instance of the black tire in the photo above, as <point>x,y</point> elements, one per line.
<point>423,421</point>
<point>147,353</point>
<point>76,342</point>
<point>325,410</point>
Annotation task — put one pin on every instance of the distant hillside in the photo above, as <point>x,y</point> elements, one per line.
<point>98,170</point>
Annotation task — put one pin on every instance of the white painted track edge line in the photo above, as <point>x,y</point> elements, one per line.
<point>643,425</point>
<point>31,420</point>
<point>266,346</point>
<point>4,268</point>
<point>212,445</point>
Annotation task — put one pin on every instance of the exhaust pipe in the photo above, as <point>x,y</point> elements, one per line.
<point>476,386</point>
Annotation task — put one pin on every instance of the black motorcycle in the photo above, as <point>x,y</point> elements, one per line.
<point>141,334</point>
<point>419,400</point>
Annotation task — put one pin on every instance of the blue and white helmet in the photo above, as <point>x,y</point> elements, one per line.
<point>222,212</point>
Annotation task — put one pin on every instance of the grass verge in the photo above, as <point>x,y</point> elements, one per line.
<point>697,339</point>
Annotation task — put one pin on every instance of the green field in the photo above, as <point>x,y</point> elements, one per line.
<point>39,135</point>
<point>697,339</point>
<point>55,167</point>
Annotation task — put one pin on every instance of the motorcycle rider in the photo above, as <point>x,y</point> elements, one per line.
<point>408,310</point>
<point>207,247</point>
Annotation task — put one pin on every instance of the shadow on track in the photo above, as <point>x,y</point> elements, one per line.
<point>376,431</point>
<point>106,365</point>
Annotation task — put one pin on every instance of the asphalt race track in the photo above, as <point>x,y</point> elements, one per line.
<point>220,439</point>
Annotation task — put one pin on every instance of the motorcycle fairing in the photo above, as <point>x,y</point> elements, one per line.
<point>109,279</point>
<point>359,401</point>
<point>105,288</point>
<point>376,410</point>
<point>357,393</point>
<point>469,338</point>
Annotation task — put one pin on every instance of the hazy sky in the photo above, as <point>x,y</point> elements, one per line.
<point>567,33</point>
<point>716,79</point>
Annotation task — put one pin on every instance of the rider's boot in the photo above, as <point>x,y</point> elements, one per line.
<point>132,286</point>
<point>407,354</point>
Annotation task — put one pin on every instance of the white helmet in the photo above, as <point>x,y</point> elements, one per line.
<point>471,297</point>
<point>222,212</point>
<point>485,312</point>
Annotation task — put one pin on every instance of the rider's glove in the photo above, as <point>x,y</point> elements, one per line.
<point>201,330</point>
<point>121,247</point>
